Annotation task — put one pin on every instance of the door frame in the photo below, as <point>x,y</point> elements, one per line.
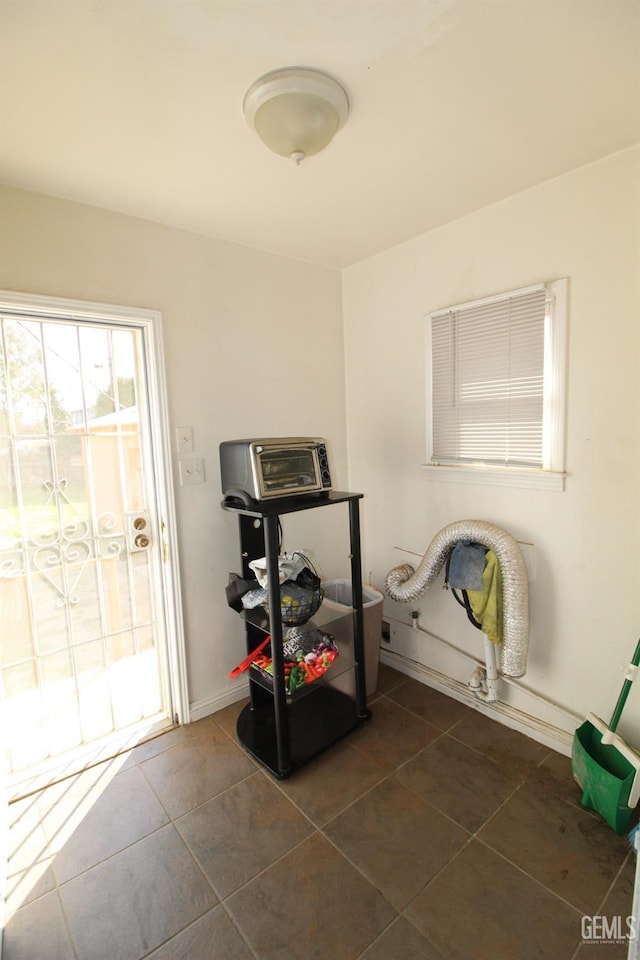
<point>150,323</point>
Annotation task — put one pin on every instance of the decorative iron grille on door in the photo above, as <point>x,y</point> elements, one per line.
<point>79,532</point>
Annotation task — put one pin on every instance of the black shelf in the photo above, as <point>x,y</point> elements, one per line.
<point>282,731</point>
<point>322,618</point>
<point>281,505</point>
<point>314,723</point>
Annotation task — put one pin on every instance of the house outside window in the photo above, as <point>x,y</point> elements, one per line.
<point>496,389</point>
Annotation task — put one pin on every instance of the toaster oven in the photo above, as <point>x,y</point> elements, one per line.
<point>262,469</point>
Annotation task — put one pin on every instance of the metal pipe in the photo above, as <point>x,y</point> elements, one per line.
<point>404,583</point>
<point>483,682</point>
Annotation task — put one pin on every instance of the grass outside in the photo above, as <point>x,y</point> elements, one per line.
<point>39,516</point>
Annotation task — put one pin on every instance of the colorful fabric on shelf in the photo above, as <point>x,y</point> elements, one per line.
<point>301,667</point>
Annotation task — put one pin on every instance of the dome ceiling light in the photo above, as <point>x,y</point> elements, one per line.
<point>296,111</point>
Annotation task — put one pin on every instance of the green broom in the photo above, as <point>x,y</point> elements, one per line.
<point>604,767</point>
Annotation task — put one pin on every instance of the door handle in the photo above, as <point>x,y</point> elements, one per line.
<point>138,531</point>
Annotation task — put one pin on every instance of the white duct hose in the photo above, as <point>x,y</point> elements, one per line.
<point>403,583</point>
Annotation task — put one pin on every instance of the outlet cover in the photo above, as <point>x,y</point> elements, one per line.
<point>191,471</point>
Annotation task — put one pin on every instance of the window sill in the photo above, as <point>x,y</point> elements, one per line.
<point>495,476</point>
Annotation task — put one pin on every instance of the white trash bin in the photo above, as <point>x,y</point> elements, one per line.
<point>338,597</point>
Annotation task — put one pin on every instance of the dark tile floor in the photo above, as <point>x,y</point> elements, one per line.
<point>432,833</point>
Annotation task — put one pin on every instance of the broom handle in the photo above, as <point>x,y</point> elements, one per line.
<point>624,693</point>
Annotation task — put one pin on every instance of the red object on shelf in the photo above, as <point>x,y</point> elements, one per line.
<point>246,663</point>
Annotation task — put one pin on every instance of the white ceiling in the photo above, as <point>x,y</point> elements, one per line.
<point>136,106</point>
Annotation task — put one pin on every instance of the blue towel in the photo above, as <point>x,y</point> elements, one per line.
<point>466,565</point>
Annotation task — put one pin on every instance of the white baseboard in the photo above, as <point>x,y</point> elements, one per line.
<point>546,733</point>
<point>203,708</point>
<point>540,730</point>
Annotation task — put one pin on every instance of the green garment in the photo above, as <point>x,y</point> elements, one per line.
<point>487,603</point>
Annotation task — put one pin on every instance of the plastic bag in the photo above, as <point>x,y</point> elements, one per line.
<point>300,597</point>
<point>290,565</point>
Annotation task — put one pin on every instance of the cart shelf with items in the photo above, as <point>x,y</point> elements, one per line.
<point>285,730</point>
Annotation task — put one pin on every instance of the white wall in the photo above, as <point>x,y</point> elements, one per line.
<point>585,589</point>
<point>248,334</point>
<point>254,347</point>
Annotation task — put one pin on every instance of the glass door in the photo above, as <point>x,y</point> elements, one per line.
<point>82,540</point>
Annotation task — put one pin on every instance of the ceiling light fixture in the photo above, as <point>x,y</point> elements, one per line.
<point>296,111</point>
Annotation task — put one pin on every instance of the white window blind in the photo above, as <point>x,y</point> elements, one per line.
<point>488,381</point>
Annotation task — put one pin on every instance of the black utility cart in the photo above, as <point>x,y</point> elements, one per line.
<point>285,731</point>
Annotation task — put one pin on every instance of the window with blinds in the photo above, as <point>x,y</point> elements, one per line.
<point>495,381</point>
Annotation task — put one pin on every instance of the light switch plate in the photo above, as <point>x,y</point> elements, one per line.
<point>191,471</point>
<point>184,439</point>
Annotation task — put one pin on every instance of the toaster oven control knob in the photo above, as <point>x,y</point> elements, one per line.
<point>324,466</point>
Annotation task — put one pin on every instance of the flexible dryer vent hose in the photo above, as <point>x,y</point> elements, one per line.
<point>403,583</point>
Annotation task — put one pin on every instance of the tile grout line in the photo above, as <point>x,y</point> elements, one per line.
<point>378,936</point>
<point>475,836</point>
<point>280,857</point>
<point>486,844</point>
<point>67,925</point>
<point>433,807</point>
<point>171,821</point>
<point>320,830</point>
<point>240,931</point>
<point>220,900</point>
<point>530,876</point>
<point>604,899</point>
<point>320,826</point>
<point>521,869</point>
